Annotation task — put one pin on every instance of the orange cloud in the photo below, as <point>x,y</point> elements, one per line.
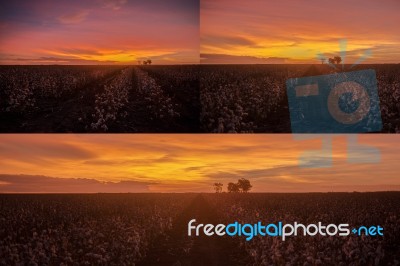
<point>45,184</point>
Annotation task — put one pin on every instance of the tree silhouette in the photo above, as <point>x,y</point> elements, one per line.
<point>244,185</point>
<point>337,59</point>
<point>232,187</point>
<point>218,187</point>
<point>147,62</point>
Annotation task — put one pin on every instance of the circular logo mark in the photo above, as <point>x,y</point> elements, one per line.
<point>358,94</point>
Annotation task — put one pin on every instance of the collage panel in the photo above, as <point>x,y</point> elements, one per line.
<point>99,66</point>
<point>86,199</point>
<point>256,55</point>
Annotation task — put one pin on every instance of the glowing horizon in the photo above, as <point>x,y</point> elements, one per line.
<point>99,32</point>
<point>186,163</point>
<point>291,31</point>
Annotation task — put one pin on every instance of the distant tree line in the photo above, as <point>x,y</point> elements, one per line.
<point>145,62</point>
<point>335,60</point>
<point>242,185</point>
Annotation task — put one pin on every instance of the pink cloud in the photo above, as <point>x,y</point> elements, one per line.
<point>73,18</point>
<point>114,4</point>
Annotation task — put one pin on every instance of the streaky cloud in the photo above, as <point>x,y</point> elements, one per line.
<point>233,59</point>
<point>74,17</point>
<point>46,184</point>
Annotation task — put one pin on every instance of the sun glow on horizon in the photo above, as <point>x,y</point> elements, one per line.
<point>99,32</point>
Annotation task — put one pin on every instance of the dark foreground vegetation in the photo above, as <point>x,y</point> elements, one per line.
<point>99,99</point>
<point>252,98</point>
<point>151,229</point>
<point>151,99</point>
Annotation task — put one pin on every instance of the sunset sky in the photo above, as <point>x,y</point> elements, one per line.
<point>292,31</point>
<point>191,163</point>
<point>99,31</point>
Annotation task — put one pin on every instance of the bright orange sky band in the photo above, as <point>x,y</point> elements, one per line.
<point>189,163</point>
<point>292,31</point>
